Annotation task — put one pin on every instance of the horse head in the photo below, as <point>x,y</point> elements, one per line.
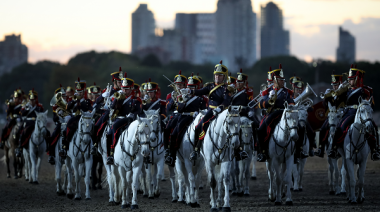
<point>246,133</point>
<point>232,125</point>
<point>154,117</point>
<point>333,117</point>
<point>302,115</point>
<point>41,122</point>
<point>86,124</point>
<point>143,133</point>
<point>290,116</point>
<point>364,113</point>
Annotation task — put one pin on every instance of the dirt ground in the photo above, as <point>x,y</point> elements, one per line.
<point>19,195</point>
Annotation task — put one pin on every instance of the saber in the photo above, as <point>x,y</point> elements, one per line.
<point>171,82</point>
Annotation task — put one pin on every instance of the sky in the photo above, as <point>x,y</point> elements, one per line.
<point>57,30</point>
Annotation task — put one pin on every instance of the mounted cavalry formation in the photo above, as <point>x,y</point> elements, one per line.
<point>213,127</point>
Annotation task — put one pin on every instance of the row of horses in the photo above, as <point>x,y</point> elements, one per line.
<point>139,158</point>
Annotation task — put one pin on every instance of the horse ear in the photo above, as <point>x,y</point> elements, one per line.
<point>138,118</point>
<point>360,100</point>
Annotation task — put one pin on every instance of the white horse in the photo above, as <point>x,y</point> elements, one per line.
<point>190,170</point>
<point>356,149</point>
<point>221,139</point>
<point>298,169</point>
<point>154,162</point>
<point>113,178</point>
<point>79,153</point>
<point>37,147</point>
<point>129,155</point>
<point>333,119</point>
<point>59,162</point>
<point>281,154</point>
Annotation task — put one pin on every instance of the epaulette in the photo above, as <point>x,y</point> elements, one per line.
<point>289,91</point>
<point>249,92</point>
<point>368,88</point>
<point>207,84</point>
<point>266,92</point>
<point>231,89</point>
<point>104,90</point>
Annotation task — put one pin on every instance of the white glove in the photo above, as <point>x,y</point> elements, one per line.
<point>130,115</point>
<point>60,112</point>
<point>195,114</point>
<point>216,111</point>
<point>251,114</point>
<point>146,97</point>
<point>271,93</point>
<point>232,85</point>
<point>340,85</point>
<point>328,91</point>
<point>185,98</point>
<point>185,91</point>
<point>106,94</point>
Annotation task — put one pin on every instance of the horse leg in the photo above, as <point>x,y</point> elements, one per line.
<point>212,182</point>
<point>172,181</point>
<point>343,176</point>
<point>288,179</point>
<point>58,167</point>
<point>352,181</point>
<point>246,174</point>
<point>87,177</point>
<point>7,162</point>
<point>159,173</point>
<point>225,169</point>
<point>279,176</point>
<point>38,166</point>
<point>302,166</point>
<point>181,178</point>
<point>124,200</point>
<point>254,160</point>
<point>116,181</point>
<point>135,181</point>
<point>77,179</point>
<point>295,174</point>
<point>33,160</point>
<point>240,190</point>
<point>191,182</point>
<point>270,173</point>
<point>15,166</point>
<point>148,180</point>
<point>361,172</point>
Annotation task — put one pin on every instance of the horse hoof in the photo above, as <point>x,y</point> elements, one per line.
<point>134,207</point>
<point>353,203</point>
<point>30,182</point>
<point>112,203</point>
<point>200,187</point>
<point>78,198</point>
<point>26,179</point>
<point>125,206</point>
<point>296,190</point>
<point>246,195</point>
<point>145,196</point>
<point>117,203</point>
<point>214,210</point>
<point>253,178</point>
<point>271,200</point>
<point>183,202</point>
<point>140,192</point>
<point>291,189</point>
<point>88,198</point>
<point>360,201</point>
<point>193,205</point>
<point>240,194</point>
<point>60,193</point>
<point>226,209</point>
<point>174,201</point>
<point>15,177</point>
<point>8,176</point>
<point>277,203</point>
<point>300,189</point>
<point>35,182</point>
<point>151,197</point>
<point>337,193</point>
<point>289,203</point>
<point>157,195</point>
<point>332,192</point>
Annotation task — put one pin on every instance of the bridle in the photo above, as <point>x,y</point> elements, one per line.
<point>39,129</point>
<point>286,133</point>
<point>81,134</point>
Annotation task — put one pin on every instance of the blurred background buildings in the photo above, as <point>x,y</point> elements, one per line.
<point>12,53</point>
<point>347,49</point>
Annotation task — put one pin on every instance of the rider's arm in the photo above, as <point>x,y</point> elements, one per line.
<point>200,92</point>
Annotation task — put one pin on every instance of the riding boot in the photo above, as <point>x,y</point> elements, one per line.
<point>197,144</point>
<point>94,148</point>
<point>373,146</point>
<point>334,151</point>
<point>240,154</point>
<point>262,154</point>
<point>110,159</point>
<point>51,160</point>
<point>320,151</point>
<point>167,142</point>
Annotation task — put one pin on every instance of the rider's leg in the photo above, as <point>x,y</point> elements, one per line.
<point>340,134</point>
<point>299,153</point>
<point>53,142</point>
<point>311,136</point>
<point>373,144</point>
<point>323,135</point>
<point>170,159</point>
<point>200,133</point>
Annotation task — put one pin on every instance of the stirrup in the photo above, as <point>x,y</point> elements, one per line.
<point>375,156</point>
<point>110,160</point>
<point>51,160</point>
<point>261,157</point>
<point>243,155</point>
<point>193,156</point>
<point>94,150</point>
<point>319,153</point>
<point>303,155</point>
<point>63,153</point>
<point>333,154</point>
<point>167,153</point>
<point>169,161</point>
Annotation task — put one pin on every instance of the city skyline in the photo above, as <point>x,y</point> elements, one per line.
<point>58,34</point>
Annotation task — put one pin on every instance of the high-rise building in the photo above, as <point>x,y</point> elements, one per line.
<point>346,49</point>
<point>198,36</point>
<point>12,53</point>
<point>143,26</point>
<point>274,39</point>
<point>236,33</point>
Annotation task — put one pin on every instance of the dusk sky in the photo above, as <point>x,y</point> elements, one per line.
<point>57,30</point>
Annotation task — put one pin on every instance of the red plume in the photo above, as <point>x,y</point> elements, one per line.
<point>241,70</point>
<point>179,73</point>
<point>356,66</point>
<point>352,65</point>
<point>150,80</point>
<point>119,69</point>
<point>78,79</point>
<point>125,75</point>
<point>192,74</point>
<point>270,68</point>
<point>197,74</point>
<point>221,62</point>
<point>333,72</point>
<point>33,89</point>
<point>280,66</point>
<point>60,85</point>
<point>94,83</point>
